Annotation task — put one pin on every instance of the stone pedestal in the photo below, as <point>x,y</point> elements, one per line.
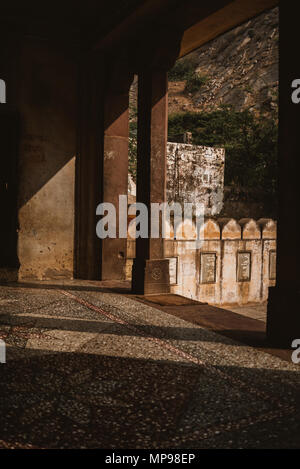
<point>151,276</point>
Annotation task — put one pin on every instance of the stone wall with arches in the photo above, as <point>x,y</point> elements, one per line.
<point>234,264</point>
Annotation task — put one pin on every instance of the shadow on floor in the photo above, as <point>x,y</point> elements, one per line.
<point>101,286</point>
<point>79,400</point>
<point>245,330</point>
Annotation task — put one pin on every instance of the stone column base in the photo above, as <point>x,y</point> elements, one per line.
<point>283,318</point>
<point>150,276</point>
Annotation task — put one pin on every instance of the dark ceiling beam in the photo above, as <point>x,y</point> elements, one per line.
<point>144,26</point>
<point>144,14</point>
<point>198,21</point>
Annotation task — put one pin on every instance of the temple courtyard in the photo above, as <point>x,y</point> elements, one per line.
<point>91,366</point>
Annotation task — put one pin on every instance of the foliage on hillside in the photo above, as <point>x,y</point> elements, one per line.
<point>250,142</point>
<point>185,70</point>
<point>182,70</point>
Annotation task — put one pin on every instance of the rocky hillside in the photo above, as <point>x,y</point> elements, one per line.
<point>238,68</point>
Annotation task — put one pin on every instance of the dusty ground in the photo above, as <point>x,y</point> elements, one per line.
<point>98,369</point>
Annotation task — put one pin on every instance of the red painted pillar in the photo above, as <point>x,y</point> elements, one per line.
<point>283,320</point>
<point>150,269</point>
<point>115,177</point>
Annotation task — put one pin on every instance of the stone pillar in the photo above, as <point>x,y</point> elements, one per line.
<point>102,164</point>
<point>283,320</point>
<point>115,176</point>
<point>89,170</point>
<point>150,270</point>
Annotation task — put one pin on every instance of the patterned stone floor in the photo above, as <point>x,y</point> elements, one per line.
<point>91,369</point>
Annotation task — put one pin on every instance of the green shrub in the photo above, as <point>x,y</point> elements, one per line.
<point>182,70</point>
<point>250,143</point>
<point>185,70</point>
<point>194,82</point>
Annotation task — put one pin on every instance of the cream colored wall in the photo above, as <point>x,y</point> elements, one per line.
<point>226,238</point>
<point>232,237</point>
<point>48,109</point>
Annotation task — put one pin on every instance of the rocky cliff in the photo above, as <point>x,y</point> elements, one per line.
<point>239,67</point>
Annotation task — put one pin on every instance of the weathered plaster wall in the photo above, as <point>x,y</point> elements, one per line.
<point>235,264</point>
<point>196,174</point>
<point>48,109</point>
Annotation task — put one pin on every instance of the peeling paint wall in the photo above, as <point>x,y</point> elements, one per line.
<point>196,174</point>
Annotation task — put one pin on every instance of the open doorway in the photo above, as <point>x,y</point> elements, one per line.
<point>224,98</point>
